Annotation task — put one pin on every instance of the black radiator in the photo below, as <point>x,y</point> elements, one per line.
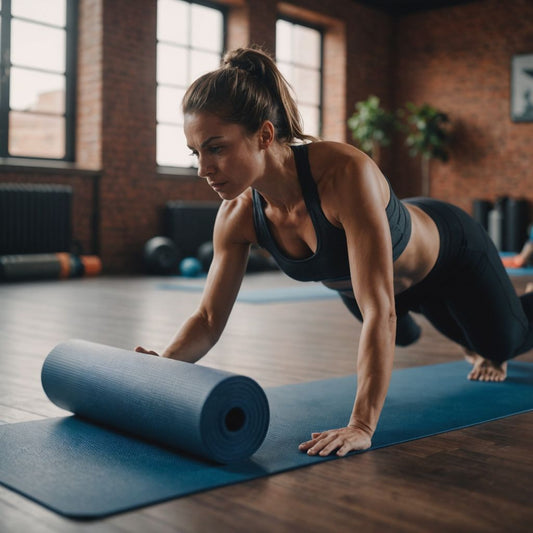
<point>35,218</point>
<point>190,224</point>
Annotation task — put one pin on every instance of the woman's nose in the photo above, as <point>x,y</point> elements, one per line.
<point>205,167</point>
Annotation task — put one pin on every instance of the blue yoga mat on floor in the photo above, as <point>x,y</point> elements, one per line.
<point>87,470</point>
<point>310,291</point>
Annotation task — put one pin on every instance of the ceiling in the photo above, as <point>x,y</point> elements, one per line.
<point>404,7</point>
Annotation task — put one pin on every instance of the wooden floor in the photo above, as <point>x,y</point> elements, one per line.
<point>477,479</point>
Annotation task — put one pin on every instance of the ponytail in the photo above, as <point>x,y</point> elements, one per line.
<point>247,89</point>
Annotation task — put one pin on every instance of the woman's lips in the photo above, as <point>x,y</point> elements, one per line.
<point>218,185</point>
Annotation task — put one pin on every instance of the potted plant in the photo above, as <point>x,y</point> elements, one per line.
<point>427,137</point>
<point>372,127</point>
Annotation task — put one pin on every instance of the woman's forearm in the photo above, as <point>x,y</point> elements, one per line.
<point>193,340</point>
<point>374,369</point>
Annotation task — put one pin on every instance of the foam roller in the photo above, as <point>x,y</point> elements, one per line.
<point>48,266</point>
<point>33,266</point>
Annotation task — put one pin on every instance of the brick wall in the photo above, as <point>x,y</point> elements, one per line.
<point>132,194</point>
<point>458,59</point>
<point>89,85</point>
<point>122,106</point>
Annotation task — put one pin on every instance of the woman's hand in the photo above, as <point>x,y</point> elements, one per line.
<point>343,440</point>
<point>140,349</point>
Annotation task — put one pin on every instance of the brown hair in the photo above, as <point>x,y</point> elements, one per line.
<point>247,89</point>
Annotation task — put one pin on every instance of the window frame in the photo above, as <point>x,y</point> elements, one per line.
<point>321,30</point>
<point>191,170</point>
<point>70,75</point>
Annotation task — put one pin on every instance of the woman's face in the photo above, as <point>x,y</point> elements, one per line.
<point>229,158</point>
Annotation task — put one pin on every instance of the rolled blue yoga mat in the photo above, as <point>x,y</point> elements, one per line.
<point>209,413</point>
<point>84,470</point>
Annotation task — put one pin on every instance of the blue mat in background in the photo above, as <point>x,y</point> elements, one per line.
<point>83,470</point>
<point>298,293</point>
<point>527,271</point>
<point>308,291</point>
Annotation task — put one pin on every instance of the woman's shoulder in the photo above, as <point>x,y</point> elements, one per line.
<point>236,217</point>
<point>329,160</point>
<point>335,149</point>
<point>344,174</point>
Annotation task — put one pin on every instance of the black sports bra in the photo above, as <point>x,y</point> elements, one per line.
<point>330,260</point>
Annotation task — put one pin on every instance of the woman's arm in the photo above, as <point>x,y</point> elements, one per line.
<point>200,332</point>
<point>362,198</point>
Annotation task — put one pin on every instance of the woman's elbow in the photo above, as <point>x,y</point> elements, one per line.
<point>211,327</point>
<point>384,314</point>
<point>389,320</point>
<point>382,319</point>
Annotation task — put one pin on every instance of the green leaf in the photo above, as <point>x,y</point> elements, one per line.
<point>371,124</point>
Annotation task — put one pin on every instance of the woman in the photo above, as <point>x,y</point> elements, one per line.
<point>326,213</point>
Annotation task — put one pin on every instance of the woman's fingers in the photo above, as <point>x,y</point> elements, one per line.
<point>344,440</point>
<point>140,349</point>
<point>329,445</point>
<point>319,443</point>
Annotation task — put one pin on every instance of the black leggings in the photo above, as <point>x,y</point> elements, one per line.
<point>468,295</point>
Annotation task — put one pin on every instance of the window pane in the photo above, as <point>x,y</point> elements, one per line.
<point>299,58</point>
<point>37,91</point>
<point>310,117</point>
<point>283,40</point>
<point>172,65</point>
<point>37,46</point>
<point>206,26</point>
<point>286,70</point>
<point>202,62</point>
<point>172,21</point>
<point>306,46</point>
<point>198,32</point>
<point>49,11</point>
<point>169,105</point>
<point>36,135</point>
<point>306,84</point>
<point>172,147</point>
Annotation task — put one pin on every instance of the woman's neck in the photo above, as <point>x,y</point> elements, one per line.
<point>279,185</point>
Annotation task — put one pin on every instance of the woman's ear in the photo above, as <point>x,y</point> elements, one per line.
<point>267,134</point>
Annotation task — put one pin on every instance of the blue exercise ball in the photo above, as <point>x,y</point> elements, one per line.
<point>190,267</point>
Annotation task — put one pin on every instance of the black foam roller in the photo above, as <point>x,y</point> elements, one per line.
<point>31,266</point>
<point>480,212</point>
<point>516,221</point>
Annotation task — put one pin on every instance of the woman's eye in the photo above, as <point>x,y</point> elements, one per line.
<point>215,149</point>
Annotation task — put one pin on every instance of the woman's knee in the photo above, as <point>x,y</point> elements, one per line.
<point>407,330</point>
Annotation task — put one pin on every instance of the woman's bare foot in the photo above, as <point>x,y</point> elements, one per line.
<point>485,369</point>
<point>514,261</point>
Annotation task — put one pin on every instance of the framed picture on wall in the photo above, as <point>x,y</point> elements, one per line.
<point>522,88</point>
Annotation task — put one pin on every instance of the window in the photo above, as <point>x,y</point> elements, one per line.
<point>190,42</point>
<point>299,58</point>
<point>37,66</point>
